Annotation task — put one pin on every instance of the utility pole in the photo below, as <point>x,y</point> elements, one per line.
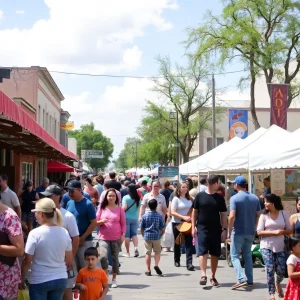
<point>214,144</point>
<point>177,139</point>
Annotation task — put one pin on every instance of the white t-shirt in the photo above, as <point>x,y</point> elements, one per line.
<point>202,188</point>
<point>9,198</point>
<point>48,245</point>
<point>69,222</point>
<point>293,260</point>
<point>181,206</point>
<point>161,202</point>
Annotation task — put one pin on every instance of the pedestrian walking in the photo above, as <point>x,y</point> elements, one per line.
<point>11,236</point>
<point>292,291</point>
<point>152,228</point>
<point>112,222</point>
<point>295,218</point>
<point>242,223</point>
<point>273,225</point>
<point>181,211</point>
<point>209,215</point>
<point>131,205</point>
<point>48,254</point>
<point>28,199</point>
<point>91,280</point>
<point>85,215</point>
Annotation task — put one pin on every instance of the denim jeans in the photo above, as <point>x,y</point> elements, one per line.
<point>49,290</point>
<point>242,243</point>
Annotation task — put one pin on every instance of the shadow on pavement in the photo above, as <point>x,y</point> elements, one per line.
<point>241,289</point>
<point>134,286</point>
<point>175,275</point>
<point>131,273</point>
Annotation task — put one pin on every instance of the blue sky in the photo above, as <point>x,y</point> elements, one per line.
<point>66,40</point>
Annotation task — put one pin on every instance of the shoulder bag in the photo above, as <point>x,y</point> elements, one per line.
<point>130,206</point>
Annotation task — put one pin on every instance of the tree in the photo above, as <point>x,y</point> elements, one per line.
<point>263,34</point>
<point>89,138</point>
<point>179,91</point>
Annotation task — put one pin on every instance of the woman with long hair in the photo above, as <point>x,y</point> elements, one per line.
<point>131,205</point>
<point>48,253</point>
<point>28,199</point>
<point>111,219</point>
<point>273,225</point>
<point>181,210</point>
<point>295,218</point>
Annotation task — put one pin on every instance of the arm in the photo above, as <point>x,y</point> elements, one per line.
<point>231,220</point>
<point>123,224</point>
<point>142,211</point>
<point>24,269</point>
<point>291,273</point>
<point>194,219</point>
<point>15,249</point>
<point>104,291</point>
<point>90,229</point>
<point>257,218</point>
<point>36,198</point>
<point>69,259</point>
<point>75,244</point>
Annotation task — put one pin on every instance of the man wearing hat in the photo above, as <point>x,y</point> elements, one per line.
<point>242,223</point>
<point>54,192</point>
<point>85,215</point>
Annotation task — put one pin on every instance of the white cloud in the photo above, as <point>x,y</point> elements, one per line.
<point>1,14</point>
<point>20,12</point>
<point>117,112</point>
<point>93,36</point>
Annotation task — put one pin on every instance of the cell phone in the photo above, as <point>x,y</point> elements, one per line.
<point>71,274</point>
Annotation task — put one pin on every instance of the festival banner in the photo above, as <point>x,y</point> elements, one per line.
<point>67,126</point>
<point>279,95</point>
<point>238,123</point>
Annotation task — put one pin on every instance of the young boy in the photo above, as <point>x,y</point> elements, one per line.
<point>92,281</point>
<point>152,228</point>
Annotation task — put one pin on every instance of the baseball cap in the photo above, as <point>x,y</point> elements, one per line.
<point>52,189</point>
<point>73,185</point>
<point>45,205</point>
<point>240,180</point>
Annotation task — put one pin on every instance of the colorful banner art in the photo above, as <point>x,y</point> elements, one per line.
<point>279,95</point>
<point>238,123</point>
<point>67,126</point>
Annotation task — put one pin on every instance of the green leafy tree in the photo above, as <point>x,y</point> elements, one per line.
<point>89,138</point>
<point>262,34</point>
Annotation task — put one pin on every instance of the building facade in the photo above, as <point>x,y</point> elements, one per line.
<point>35,93</point>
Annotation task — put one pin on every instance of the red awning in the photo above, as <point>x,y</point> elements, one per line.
<point>56,166</point>
<point>11,111</point>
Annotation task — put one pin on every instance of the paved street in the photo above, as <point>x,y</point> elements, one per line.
<point>178,283</point>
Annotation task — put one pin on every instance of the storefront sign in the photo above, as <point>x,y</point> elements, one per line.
<point>279,95</point>
<point>238,123</point>
<point>167,173</point>
<point>67,126</point>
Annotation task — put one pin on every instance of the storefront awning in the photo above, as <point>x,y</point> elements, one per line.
<point>56,166</point>
<point>21,133</point>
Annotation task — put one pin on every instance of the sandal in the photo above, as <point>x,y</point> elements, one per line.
<point>279,292</point>
<point>203,280</point>
<point>214,281</point>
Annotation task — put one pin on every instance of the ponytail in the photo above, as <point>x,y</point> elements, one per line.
<point>59,218</point>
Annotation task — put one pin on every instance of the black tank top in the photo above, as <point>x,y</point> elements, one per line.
<point>27,198</point>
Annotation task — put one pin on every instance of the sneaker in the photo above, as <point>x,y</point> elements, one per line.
<point>136,253</point>
<point>238,285</point>
<point>114,284</point>
<point>126,255</point>
<point>158,270</point>
<point>250,283</point>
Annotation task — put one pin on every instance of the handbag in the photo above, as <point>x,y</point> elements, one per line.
<point>287,249</point>
<point>4,240</point>
<point>184,229</point>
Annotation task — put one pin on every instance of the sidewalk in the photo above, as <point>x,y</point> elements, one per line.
<point>178,283</point>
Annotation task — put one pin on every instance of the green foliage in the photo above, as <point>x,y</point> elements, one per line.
<point>89,138</point>
<point>263,34</point>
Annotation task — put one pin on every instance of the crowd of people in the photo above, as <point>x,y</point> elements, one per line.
<point>48,242</point>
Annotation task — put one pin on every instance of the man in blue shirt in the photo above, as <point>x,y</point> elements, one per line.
<point>85,216</point>
<point>42,188</point>
<point>152,229</point>
<point>242,223</point>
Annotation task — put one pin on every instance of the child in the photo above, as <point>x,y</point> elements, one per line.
<point>152,228</point>
<point>293,263</point>
<point>92,281</point>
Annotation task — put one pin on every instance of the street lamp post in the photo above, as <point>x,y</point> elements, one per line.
<point>136,155</point>
<point>174,115</point>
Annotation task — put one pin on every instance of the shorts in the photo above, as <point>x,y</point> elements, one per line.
<point>72,281</point>
<point>27,216</point>
<point>131,228</point>
<point>152,245</point>
<point>209,242</point>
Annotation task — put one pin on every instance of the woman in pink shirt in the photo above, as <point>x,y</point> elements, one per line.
<point>111,219</point>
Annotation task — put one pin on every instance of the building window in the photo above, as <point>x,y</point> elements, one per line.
<point>39,115</point>
<point>47,121</point>
<point>55,124</point>
<point>44,119</point>
<point>210,142</point>
<point>27,172</point>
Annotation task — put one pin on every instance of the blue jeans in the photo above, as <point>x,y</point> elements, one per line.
<point>49,290</point>
<point>131,228</point>
<point>242,243</point>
